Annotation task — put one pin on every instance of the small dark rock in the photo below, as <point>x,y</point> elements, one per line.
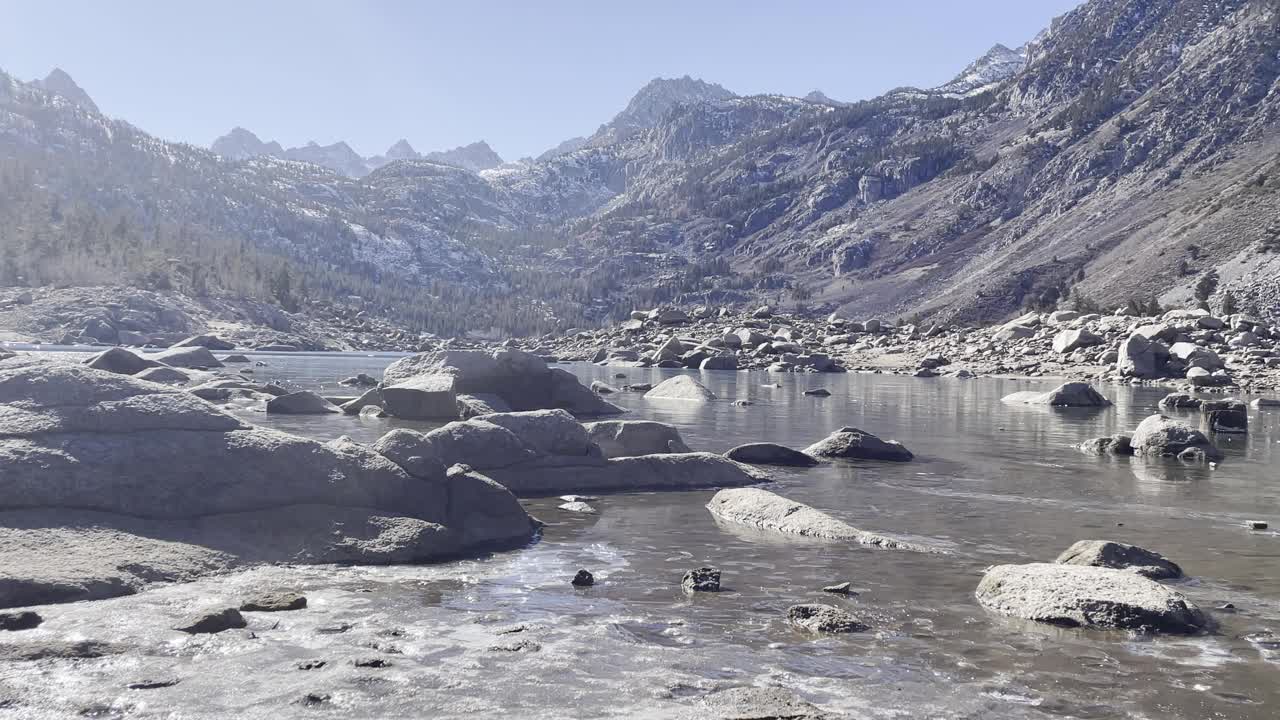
<point>152,684</point>
<point>24,620</point>
<point>818,392</point>
<point>703,579</point>
<point>314,699</point>
<point>372,663</point>
<point>823,619</point>
<point>311,664</point>
<point>583,579</point>
<point>214,621</point>
<point>843,588</point>
<point>274,602</point>
<point>1257,524</point>
<point>518,646</point>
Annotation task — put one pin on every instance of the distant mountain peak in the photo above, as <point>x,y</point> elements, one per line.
<point>241,144</point>
<point>59,83</point>
<point>474,157</point>
<point>996,65</point>
<point>652,103</point>
<point>401,150</point>
<point>817,96</point>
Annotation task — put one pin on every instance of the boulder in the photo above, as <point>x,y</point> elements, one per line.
<point>370,398</point>
<point>852,443</point>
<point>720,362</point>
<point>164,375</point>
<point>1179,401</point>
<point>1084,596</point>
<point>470,406</point>
<point>121,361</point>
<point>602,388</point>
<point>1112,445</point>
<point>1193,355</point>
<point>702,579</point>
<point>549,432</point>
<point>212,621</point>
<point>765,510</point>
<point>1161,436</point>
<point>680,387</point>
<point>1225,416</point>
<point>824,619</point>
<point>206,341</point>
<point>1119,556</point>
<point>1068,341</point>
<point>303,402</point>
<point>677,471</point>
<point>1140,356</point>
<point>770,454</point>
<point>274,602</point>
<point>423,397</point>
<point>192,358</point>
<point>154,484</point>
<point>1072,394</point>
<point>629,438</point>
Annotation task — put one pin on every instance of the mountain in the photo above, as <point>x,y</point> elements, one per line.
<point>240,144</point>
<point>402,150</point>
<point>567,146</point>
<point>474,157</point>
<point>648,107</point>
<point>817,96</point>
<point>1132,146</point>
<point>59,83</point>
<point>997,65</point>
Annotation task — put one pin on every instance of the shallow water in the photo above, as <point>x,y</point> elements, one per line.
<point>992,483</point>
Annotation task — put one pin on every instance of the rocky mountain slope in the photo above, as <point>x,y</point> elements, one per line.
<point>1128,149</point>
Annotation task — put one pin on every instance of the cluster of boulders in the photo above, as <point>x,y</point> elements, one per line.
<point>1192,346</point>
<point>1096,584</point>
<point>111,482</point>
<point>1156,437</point>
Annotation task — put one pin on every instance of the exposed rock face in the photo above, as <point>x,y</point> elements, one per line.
<point>629,438</point>
<point>427,385</point>
<point>1082,596</point>
<point>1072,394</point>
<point>770,454</point>
<point>824,619</point>
<point>767,511</point>
<point>852,443</point>
<point>680,387</point>
<point>1161,436</point>
<point>148,472</point>
<point>1104,553</point>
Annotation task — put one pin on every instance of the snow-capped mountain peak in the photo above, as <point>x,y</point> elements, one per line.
<point>998,64</point>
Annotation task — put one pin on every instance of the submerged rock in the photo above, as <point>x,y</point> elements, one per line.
<point>1161,436</point>
<point>1072,394</point>
<point>852,443</point>
<point>213,621</point>
<point>1083,596</point>
<point>768,511</point>
<point>680,387</point>
<point>274,602</point>
<point>583,579</point>
<point>1120,444</point>
<point>1104,553</point>
<point>770,454</point>
<point>824,619</point>
<point>704,579</point>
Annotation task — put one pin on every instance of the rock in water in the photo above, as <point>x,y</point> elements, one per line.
<point>1104,553</point>
<point>424,397</point>
<point>768,511</point>
<point>192,358</point>
<point>703,579</point>
<point>274,602</point>
<point>25,620</point>
<point>1115,445</point>
<point>680,387</point>
<point>818,392</point>
<point>1226,416</point>
<point>303,402</point>
<point>843,588</point>
<point>1082,596</point>
<point>852,443</point>
<point>822,619</point>
<point>1161,436</point>
<point>631,438</point>
<point>770,454</point>
<point>1072,394</point>
<point>121,361</point>
<point>583,579</point>
<point>1179,401</point>
<point>214,621</point>
<point>578,507</point>
<point>755,703</point>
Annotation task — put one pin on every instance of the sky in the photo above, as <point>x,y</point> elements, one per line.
<point>520,74</point>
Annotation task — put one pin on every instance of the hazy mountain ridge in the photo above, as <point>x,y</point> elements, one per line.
<point>241,144</point>
<point>1129,129</point>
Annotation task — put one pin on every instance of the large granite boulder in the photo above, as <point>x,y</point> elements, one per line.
<point>680,387</point>
<point>1141,356</point>
<point>521,380</point>
<point>1162,436</point>
<point>1068,341</point>
<point>768,511</point>
<point>121,361</point>
<point>1072,394</point>
<point>109,483</point>
<point>629,438</point>
<point>850,443</point>
<point>1085,596</point>
<point>1105,553</point>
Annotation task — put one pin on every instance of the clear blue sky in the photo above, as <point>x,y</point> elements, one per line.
<point>522,74</point>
